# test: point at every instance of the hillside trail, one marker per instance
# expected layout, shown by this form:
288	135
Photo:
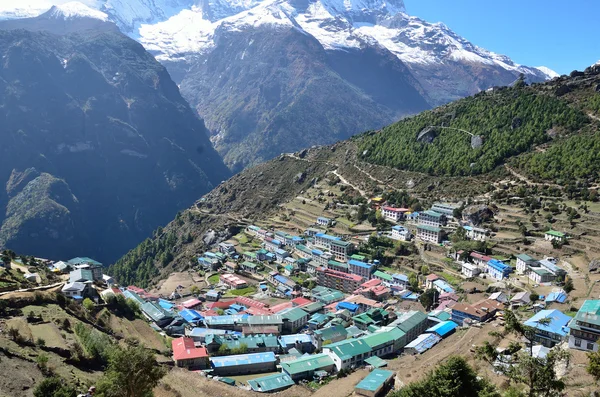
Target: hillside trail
527	180
336	172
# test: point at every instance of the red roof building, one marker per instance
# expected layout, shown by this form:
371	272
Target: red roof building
281	306
186	354
301	301
245	301
191	303
257	311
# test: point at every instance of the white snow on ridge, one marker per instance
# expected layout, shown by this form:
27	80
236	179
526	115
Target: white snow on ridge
75	9
16	9
174	29
183	33
548	72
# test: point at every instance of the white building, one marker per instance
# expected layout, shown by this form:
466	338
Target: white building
552	235
432	218
469	270
430	233
524	262
401	233
393	214
476	233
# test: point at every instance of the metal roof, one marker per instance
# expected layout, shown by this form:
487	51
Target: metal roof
293	314
265	320
307	363
383	275
444	328
354	262
376	362
423	342
589	312
330	333
271	383
375	380
190	315
242	359
381	338
292	339
429	228
558	322
349	348
407	321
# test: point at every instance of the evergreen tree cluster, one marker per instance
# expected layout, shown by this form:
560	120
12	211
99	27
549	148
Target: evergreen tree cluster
139	265
510	122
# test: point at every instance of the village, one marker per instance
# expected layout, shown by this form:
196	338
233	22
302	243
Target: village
270	308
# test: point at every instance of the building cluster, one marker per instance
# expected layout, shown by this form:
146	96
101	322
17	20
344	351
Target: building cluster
431	225
539	271
86	277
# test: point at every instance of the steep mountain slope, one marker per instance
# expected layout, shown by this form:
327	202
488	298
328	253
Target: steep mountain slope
260	71
445	67
284	93
548	133
98	147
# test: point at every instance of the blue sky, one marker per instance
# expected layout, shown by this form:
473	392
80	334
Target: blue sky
562	35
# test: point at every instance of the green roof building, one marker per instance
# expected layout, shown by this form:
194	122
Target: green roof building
584	329
339	266
326	336
293	319
305	367
383	276
413	323
376	384
376	362
271	383
386	341
348	353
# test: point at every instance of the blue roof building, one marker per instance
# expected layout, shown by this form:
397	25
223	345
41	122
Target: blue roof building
243	363
191	316
351	307
442	287
552	333
443	329
165	304
498	270
360	268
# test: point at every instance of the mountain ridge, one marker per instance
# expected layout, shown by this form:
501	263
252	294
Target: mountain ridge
97	135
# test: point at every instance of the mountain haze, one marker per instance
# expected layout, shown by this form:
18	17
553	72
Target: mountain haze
98	147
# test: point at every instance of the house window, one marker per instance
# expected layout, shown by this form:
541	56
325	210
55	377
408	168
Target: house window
590	346
578	342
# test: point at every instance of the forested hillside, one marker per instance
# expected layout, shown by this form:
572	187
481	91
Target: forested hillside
443	141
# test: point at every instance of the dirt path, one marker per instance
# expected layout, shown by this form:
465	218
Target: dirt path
342	387
345	182
40	288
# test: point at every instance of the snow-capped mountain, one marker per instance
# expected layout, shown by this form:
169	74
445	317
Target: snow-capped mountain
285	71
127	14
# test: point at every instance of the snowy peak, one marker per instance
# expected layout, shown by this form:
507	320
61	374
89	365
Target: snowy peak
73	10
549	72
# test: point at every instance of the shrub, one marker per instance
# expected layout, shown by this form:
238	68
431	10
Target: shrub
53	387
42	362
40	342
88	304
